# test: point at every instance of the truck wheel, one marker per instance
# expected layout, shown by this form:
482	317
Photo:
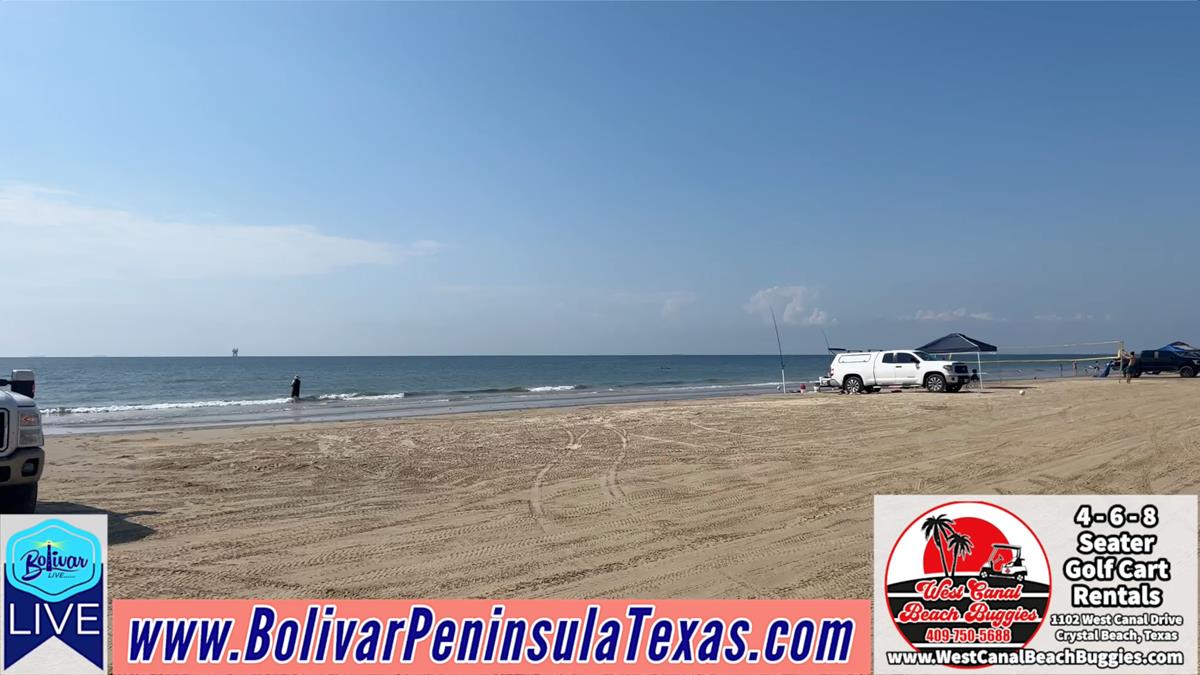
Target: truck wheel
19	498
853	384
953	388
1187	371
935	382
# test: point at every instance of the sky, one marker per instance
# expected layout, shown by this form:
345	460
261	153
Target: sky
325	179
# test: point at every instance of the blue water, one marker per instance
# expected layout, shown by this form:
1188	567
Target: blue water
131	392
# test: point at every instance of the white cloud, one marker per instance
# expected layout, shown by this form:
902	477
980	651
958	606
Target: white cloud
55	236
950	315
669	303
797	304
482	289
1077	316
422	247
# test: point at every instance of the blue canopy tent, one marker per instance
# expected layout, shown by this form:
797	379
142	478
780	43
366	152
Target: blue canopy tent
957	343
1177	346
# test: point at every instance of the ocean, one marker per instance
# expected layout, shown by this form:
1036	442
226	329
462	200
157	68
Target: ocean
103	393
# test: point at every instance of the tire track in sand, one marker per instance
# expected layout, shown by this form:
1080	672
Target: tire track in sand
536	507
612	484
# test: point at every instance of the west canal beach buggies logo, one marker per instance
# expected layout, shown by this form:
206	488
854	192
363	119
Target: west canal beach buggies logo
967	576
54	593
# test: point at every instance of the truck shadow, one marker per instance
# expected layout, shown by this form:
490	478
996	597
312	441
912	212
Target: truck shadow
121	530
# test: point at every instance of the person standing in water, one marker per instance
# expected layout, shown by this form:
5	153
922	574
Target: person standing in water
296	387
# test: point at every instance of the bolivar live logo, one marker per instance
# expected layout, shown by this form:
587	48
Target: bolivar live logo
967	575
54	587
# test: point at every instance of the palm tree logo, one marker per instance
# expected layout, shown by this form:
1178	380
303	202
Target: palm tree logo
961	546
939	528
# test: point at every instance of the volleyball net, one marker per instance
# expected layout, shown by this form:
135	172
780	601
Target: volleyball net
1068	359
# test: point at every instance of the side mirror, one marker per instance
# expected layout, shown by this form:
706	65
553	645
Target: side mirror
22	382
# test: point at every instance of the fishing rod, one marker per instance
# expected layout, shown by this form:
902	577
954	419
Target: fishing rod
779	344
832	350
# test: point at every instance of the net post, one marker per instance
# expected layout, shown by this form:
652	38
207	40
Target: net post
979	369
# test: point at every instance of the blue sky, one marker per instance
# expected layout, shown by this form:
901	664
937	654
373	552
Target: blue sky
583	178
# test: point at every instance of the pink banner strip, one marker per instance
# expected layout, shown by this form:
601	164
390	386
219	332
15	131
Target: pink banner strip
505	637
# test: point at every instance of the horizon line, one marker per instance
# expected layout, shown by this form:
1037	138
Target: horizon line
390	356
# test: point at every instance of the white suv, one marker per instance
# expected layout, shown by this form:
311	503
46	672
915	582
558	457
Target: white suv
857	372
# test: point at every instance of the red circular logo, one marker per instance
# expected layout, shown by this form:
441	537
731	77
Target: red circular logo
967	575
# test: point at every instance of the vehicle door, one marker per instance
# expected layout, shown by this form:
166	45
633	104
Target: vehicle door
908	369
885	369
1150	361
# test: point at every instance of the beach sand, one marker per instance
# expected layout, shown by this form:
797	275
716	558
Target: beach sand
752	497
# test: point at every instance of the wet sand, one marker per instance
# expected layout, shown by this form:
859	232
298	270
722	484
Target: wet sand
756	497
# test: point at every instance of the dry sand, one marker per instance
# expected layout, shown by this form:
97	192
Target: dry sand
750	497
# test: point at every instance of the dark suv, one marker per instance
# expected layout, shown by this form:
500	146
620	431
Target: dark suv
1187	364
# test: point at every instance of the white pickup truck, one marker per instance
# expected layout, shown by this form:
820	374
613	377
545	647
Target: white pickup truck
862	372
21	453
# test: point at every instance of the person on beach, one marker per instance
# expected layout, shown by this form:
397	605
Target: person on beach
1124	363
1130	367
296	387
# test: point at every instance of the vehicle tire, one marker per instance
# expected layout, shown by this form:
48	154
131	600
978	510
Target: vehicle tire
953	388
1187	371
983	572
853	384
19	498
1136	373
1019	578
935	382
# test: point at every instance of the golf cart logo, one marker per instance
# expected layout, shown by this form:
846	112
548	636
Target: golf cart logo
53	560
967	576
1006	561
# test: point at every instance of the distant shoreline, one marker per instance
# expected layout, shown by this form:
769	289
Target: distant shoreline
83	395
358	413
767	496
383	412
489	356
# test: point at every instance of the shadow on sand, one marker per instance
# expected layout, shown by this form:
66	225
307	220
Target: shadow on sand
121	530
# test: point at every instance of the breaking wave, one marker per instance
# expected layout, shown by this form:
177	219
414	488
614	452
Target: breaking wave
720	386
65	410
184	405
419	396
359	397
511	390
